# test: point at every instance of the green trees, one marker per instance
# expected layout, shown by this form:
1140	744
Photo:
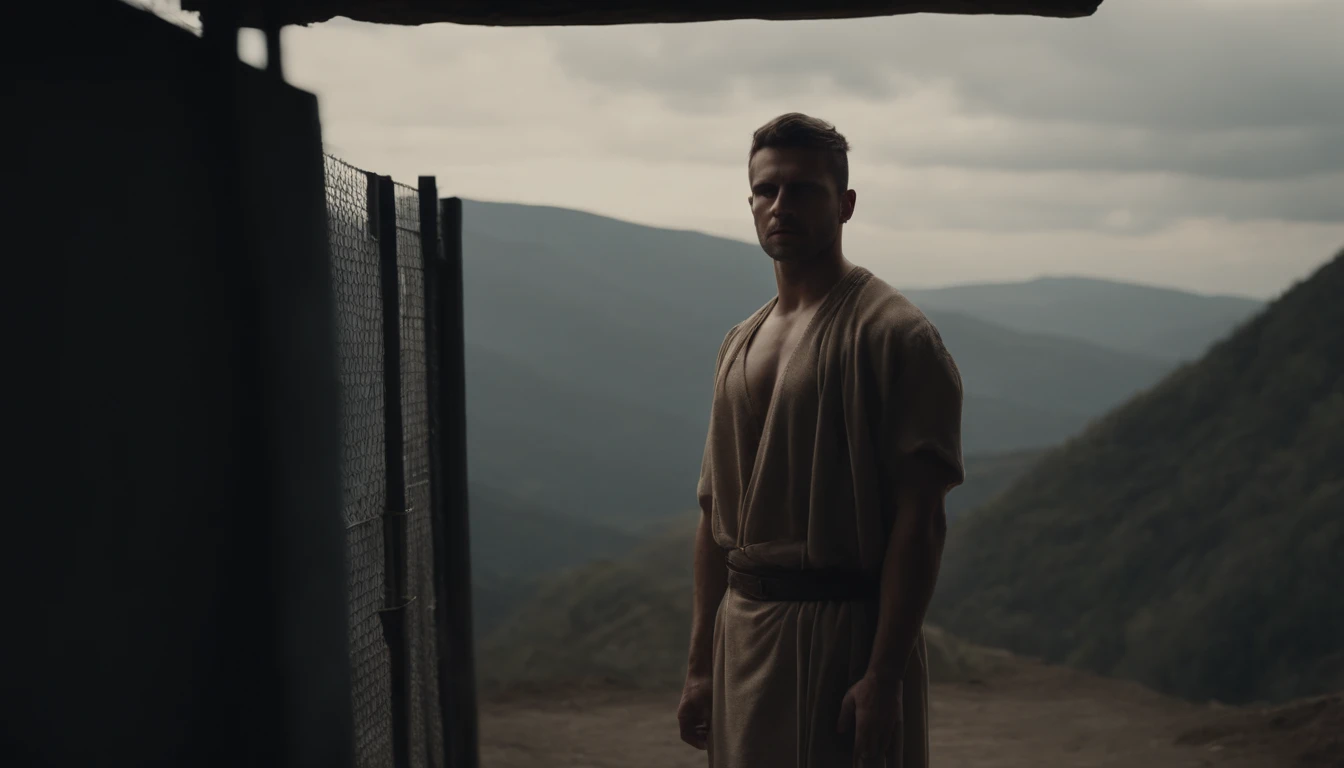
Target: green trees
1193	538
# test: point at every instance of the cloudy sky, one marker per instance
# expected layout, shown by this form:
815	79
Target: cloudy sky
1191	143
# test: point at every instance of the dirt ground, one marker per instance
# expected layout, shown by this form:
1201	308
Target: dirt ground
1034	716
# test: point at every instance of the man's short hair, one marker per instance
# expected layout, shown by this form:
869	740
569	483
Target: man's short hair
796	130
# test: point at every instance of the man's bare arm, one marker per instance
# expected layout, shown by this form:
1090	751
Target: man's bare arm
710	578
909	568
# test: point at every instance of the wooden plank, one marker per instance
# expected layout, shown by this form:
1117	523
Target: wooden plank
571	13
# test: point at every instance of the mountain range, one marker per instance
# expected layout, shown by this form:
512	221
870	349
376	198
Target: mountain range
1191	539
1125	510
1155	322
1188	540
591	343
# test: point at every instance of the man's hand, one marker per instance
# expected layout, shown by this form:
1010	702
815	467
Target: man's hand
873	709
697	699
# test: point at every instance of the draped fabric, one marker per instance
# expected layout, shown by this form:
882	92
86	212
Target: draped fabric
812	485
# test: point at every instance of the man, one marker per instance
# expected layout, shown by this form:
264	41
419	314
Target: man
834	437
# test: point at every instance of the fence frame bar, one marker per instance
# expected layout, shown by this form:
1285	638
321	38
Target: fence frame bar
448	479
394	614
427	196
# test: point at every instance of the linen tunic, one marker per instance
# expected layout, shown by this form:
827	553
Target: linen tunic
868	386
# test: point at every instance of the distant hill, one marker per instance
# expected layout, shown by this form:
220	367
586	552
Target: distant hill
628	621
514	543
517	545
986	477
582	452
591	345
1157	322
526	541
1027	390
1192	538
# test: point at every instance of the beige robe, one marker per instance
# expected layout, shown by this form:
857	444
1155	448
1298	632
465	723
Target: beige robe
868	386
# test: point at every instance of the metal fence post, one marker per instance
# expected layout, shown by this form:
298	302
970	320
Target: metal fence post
394	514
431	253
448	478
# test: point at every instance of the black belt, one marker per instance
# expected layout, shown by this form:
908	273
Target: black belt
802	586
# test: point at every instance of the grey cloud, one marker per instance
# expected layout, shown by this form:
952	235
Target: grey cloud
1175	66
1237	91
1042	105
1118	204
1270	154
1138	62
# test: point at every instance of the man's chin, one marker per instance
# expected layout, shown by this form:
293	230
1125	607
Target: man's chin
786	254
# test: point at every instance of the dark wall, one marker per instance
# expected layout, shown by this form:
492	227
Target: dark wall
173	559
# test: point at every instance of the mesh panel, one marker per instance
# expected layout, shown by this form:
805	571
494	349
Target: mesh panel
370	666
424	655
425	722
354	269
359	318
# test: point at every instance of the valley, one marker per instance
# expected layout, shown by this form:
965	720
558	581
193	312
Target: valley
1149	522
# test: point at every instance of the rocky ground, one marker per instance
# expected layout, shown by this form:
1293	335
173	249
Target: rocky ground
1028	715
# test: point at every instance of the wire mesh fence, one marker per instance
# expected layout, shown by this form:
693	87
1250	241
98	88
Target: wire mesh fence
359	317
426	727
353	228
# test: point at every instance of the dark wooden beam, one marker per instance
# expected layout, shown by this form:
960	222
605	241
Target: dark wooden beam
577	13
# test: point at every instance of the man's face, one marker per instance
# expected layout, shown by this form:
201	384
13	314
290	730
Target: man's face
795	202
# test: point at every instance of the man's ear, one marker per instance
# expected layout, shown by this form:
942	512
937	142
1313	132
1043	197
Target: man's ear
847	202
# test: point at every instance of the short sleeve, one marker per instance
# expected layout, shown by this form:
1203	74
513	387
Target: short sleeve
921	408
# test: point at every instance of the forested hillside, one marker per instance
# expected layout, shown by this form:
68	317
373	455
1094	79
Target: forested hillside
1193	539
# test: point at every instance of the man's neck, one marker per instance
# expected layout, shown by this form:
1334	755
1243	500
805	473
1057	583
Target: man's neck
801	285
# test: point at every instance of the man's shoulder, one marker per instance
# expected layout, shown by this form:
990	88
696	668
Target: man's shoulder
882	312
892	328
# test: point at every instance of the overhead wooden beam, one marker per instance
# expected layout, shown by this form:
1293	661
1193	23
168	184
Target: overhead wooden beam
257	13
